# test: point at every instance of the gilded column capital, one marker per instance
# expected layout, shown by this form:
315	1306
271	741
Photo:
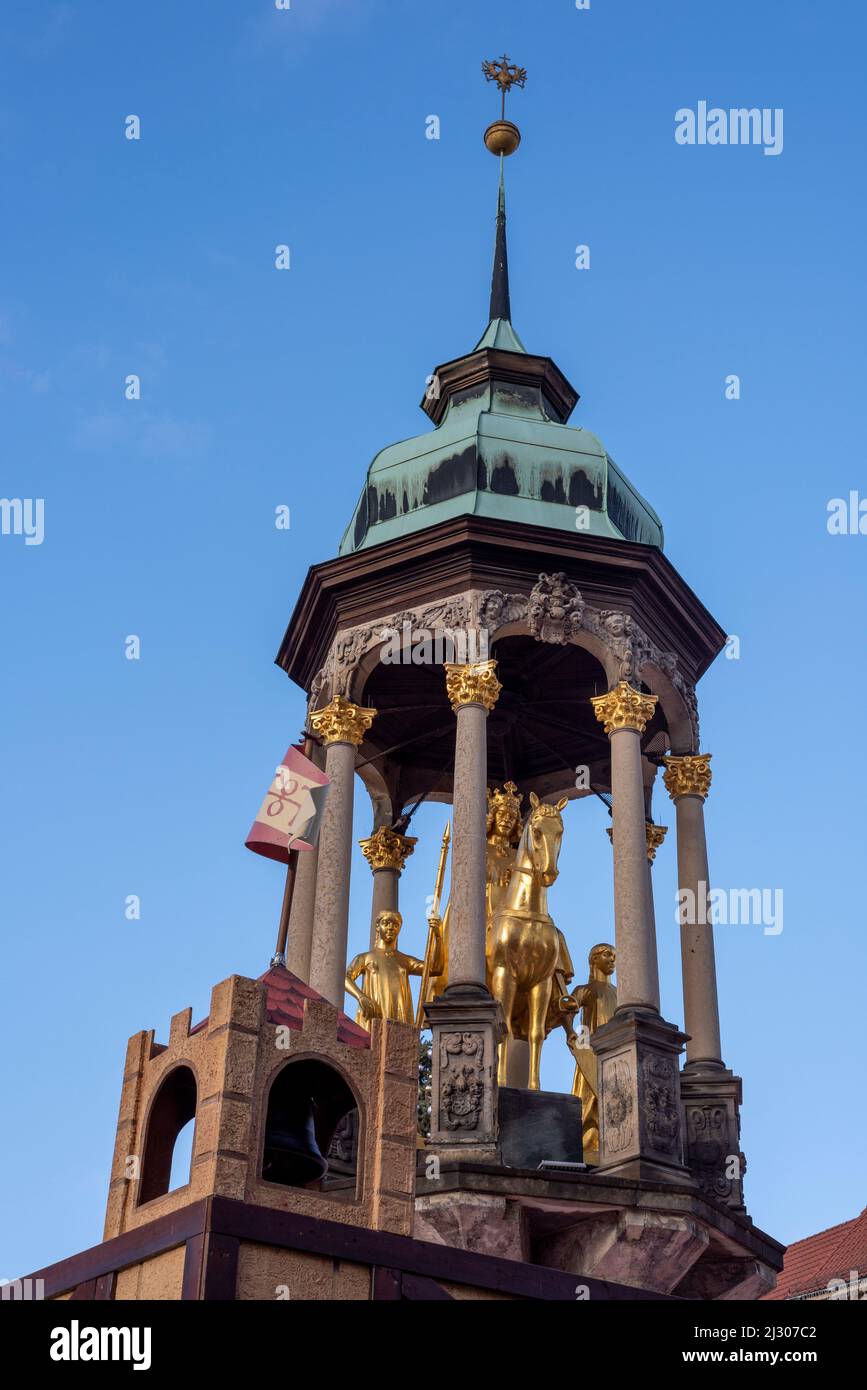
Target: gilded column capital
342	722
473	683
623	708
689	775
654	834
386	849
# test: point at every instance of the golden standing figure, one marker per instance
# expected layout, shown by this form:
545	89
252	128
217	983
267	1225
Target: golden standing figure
597	1000
385	990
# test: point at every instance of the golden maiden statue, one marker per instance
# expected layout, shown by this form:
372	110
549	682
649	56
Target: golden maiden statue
385	971
527	961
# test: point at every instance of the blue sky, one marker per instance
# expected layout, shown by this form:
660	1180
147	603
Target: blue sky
262	388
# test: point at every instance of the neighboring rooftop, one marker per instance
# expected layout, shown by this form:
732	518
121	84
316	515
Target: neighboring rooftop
836	1253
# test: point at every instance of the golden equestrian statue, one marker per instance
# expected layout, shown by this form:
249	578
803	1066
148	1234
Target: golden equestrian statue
526	956
528	968
503	829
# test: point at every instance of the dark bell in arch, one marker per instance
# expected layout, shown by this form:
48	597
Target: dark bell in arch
292	1155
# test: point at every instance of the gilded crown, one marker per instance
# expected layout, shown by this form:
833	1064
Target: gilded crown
508	797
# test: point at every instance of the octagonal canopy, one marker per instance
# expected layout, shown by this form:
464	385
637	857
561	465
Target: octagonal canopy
501	448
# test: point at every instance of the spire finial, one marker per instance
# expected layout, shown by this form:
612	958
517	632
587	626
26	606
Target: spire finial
503	137
501	307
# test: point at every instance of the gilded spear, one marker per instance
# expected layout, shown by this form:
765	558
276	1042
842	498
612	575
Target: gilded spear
434	912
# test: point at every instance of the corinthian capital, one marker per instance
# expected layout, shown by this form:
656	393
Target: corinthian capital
623	708
472	684
342	722
687	776
386	849
654	834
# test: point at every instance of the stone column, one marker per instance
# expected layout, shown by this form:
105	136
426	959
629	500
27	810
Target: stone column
386	852
342	726
711	1093
654	836
640	1122
465	1021
473	691
687	780
624	713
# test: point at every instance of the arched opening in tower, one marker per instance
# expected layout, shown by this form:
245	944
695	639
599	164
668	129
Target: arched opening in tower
307	1105
171	1111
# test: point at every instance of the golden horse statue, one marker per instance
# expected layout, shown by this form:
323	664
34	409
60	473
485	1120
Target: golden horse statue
525	951
503	830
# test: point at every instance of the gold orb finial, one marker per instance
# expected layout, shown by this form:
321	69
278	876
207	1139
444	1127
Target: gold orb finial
503	137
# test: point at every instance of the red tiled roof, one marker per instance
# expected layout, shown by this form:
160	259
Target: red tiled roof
284	1003
830	1254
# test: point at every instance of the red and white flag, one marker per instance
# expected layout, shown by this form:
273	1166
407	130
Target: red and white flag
289	816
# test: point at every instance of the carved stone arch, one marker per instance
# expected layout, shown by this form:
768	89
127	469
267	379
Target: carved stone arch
659	744
604	654
377	789
681	714
368	659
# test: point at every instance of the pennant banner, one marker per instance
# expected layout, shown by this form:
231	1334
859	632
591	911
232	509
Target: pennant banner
289	816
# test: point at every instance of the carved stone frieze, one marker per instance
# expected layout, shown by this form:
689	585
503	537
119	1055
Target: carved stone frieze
553	612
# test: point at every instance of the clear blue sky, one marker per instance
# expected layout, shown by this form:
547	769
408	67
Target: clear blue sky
262	387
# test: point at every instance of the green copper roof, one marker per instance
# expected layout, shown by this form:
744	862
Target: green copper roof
500	334
500	448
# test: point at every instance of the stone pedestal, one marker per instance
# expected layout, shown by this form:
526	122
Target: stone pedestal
538	1126
467	1028
640	1121
711	1100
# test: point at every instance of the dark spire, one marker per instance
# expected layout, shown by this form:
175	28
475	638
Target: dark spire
500	306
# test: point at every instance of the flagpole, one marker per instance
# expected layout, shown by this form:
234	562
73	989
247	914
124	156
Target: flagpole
279	956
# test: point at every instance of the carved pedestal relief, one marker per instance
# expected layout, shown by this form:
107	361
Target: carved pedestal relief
712	1123
639	1101
466	1027
462	1080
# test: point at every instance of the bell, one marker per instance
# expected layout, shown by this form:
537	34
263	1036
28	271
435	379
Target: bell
292	1155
